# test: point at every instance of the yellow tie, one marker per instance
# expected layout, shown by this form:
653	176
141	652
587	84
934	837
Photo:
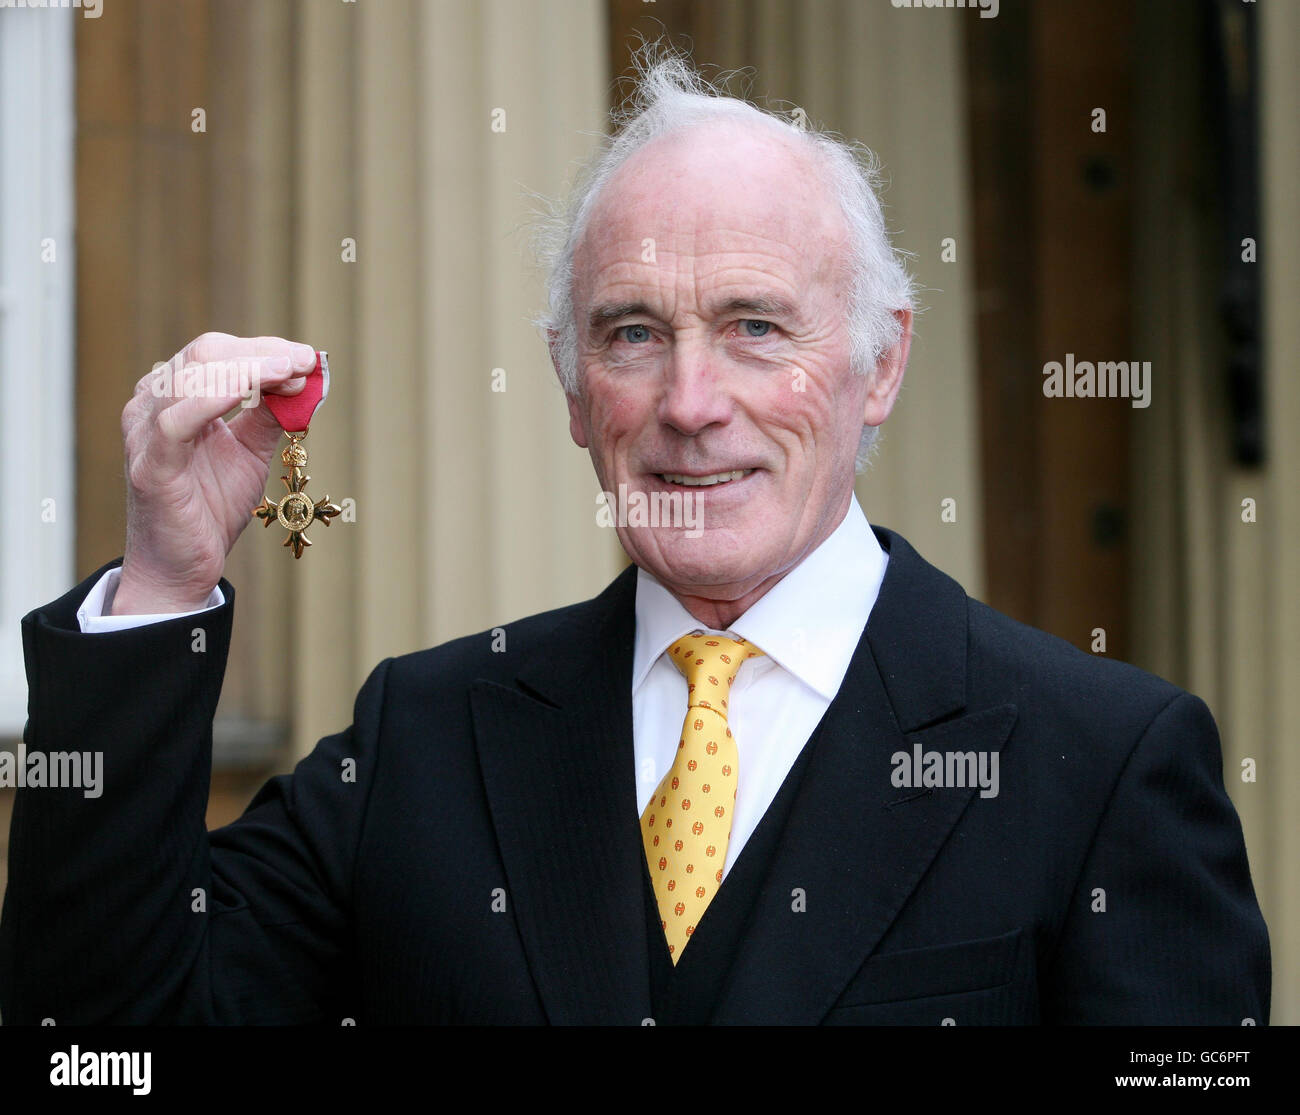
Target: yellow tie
687	824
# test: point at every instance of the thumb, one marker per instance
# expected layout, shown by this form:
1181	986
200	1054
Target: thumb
257	430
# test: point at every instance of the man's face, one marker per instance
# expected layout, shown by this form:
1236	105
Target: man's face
711	299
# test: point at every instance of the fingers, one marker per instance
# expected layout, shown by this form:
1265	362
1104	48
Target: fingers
215	372
221	386
211	347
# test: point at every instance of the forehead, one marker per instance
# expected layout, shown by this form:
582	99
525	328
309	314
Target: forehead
721	198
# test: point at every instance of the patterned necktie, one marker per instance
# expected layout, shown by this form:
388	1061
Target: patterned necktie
686	826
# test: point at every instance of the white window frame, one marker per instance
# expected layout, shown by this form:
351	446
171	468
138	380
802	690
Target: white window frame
37	415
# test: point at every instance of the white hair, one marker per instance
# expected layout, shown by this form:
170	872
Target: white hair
670	95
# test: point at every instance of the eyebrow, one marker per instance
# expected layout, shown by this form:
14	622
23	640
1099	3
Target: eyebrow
607	312
762	305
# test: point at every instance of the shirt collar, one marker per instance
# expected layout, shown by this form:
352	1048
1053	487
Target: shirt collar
809	622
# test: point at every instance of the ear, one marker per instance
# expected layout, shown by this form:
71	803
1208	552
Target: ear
553	346
888	375
577	428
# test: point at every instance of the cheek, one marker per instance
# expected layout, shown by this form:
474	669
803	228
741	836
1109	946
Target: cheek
617	415
797	404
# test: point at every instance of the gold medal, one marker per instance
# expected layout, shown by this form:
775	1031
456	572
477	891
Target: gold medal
296	512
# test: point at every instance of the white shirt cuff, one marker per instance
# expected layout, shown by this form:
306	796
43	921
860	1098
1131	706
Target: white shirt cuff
91	613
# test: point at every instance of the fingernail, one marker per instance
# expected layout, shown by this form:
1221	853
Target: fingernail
293	386
304	356
277	365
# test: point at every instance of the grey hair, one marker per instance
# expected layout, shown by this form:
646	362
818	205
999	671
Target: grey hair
670	95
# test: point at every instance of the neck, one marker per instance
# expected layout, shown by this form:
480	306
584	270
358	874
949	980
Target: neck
721	614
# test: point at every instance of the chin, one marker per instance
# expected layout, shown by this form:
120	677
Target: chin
714	558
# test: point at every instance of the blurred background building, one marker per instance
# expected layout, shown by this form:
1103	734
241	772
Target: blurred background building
1099	178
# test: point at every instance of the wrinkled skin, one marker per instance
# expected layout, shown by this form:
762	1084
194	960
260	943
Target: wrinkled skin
730	351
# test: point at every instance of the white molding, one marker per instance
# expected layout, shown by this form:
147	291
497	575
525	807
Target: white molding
36	329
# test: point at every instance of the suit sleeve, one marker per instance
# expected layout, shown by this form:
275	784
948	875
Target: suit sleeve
122	908
1181	940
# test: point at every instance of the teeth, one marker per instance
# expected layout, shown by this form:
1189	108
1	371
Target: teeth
705	481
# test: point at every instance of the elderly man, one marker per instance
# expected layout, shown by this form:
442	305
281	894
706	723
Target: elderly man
782	771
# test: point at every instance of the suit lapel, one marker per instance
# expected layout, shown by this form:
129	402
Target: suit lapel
855	845
558	768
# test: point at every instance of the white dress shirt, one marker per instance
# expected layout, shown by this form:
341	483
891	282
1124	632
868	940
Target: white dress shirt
91	615
808	625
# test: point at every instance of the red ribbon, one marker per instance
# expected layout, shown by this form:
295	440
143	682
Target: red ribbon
294	412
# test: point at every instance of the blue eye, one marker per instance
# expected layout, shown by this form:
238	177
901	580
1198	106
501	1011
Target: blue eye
634	334
753	328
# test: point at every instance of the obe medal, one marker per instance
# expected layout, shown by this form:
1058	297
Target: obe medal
296	511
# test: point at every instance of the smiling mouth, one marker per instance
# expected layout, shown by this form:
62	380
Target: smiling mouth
710	481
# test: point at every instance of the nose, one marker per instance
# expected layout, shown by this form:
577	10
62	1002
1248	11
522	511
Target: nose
694	394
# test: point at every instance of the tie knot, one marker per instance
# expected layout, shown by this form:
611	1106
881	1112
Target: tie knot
710	664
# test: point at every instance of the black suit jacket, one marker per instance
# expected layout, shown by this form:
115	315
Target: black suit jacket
411	868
